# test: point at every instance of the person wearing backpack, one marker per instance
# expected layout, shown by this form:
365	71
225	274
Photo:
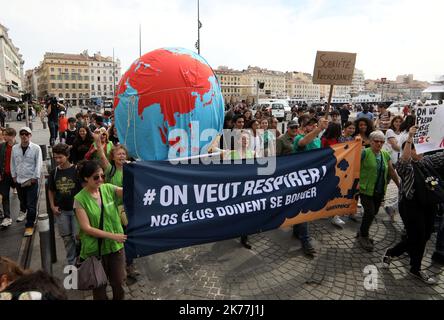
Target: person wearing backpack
421	191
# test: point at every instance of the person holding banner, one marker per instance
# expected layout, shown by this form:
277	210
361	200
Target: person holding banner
308	140
241	151
98	199
284	144
376	167
421	191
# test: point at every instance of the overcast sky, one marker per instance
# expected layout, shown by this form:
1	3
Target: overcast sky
391	37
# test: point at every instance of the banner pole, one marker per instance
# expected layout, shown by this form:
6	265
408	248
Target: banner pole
327	112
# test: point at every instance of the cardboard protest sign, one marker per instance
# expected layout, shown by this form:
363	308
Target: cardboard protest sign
430	135
334	68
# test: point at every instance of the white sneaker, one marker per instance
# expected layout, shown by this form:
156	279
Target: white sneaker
337	222
21	217
6	222
424	277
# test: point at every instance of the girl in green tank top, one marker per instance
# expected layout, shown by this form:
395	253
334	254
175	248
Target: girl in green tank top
95	200
88	203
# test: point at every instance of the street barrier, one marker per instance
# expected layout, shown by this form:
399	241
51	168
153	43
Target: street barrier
45	242
44	149
52	242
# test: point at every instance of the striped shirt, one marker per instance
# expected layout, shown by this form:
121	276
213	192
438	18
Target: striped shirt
407	175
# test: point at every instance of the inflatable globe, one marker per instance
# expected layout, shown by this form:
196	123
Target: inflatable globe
167	101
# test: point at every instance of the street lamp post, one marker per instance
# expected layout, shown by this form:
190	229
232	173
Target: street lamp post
383	81
114	76
199	26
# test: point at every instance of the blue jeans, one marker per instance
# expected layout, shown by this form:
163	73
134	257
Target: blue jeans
68	231
301	231
53	130
28	201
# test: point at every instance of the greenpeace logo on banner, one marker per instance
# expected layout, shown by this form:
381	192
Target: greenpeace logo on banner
218	193
430	134
172	206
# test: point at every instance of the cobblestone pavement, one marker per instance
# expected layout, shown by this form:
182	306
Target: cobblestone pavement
277	269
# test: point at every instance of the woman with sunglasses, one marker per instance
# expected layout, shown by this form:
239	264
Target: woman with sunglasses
89	203
106	145
376	167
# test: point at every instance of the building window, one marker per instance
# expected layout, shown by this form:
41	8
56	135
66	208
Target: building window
66	85
86	86
60	86
73	85
98	87
67	96
59	77
110	79
74	96
98	71
104	87
98	79
53	85
52	77
52	69
92	71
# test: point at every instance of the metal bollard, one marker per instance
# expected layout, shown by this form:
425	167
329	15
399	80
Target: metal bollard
44	149
51	224
45	243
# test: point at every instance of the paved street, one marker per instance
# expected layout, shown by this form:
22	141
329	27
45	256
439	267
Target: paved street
275	268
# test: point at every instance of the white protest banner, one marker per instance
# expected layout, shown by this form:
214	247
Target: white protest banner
430	135
334	68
